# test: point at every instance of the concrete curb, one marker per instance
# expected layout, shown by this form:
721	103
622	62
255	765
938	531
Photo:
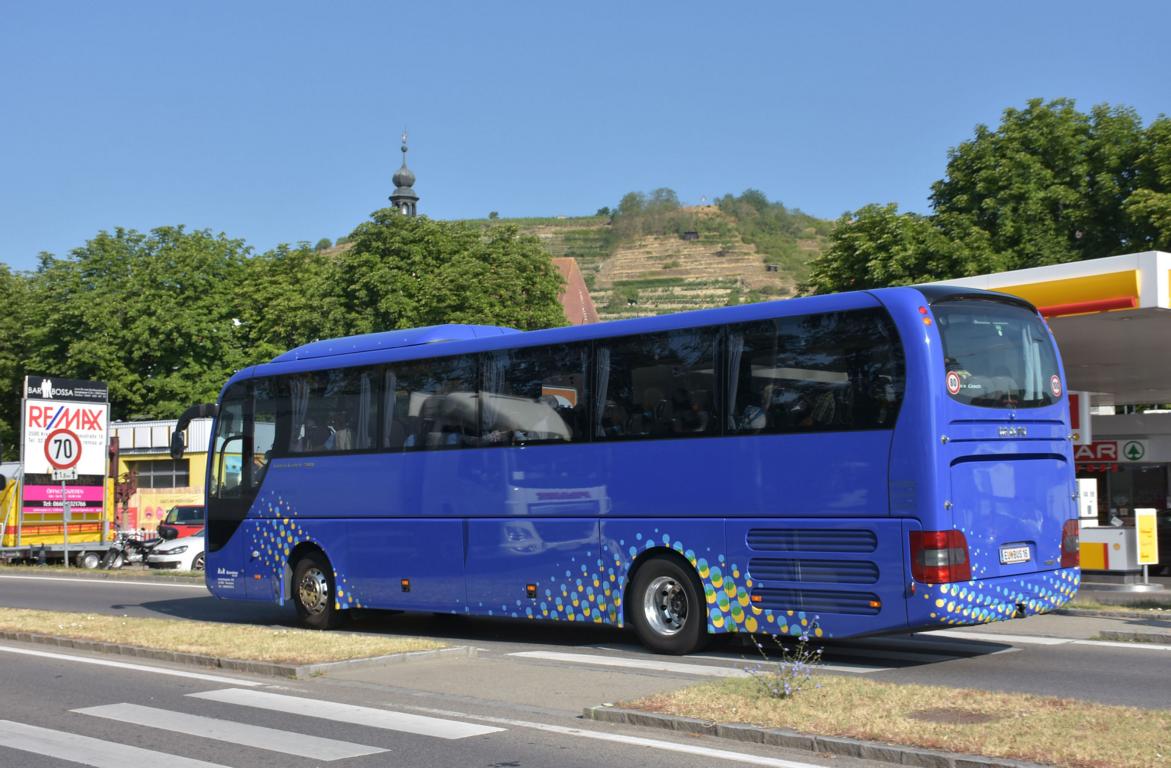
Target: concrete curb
1135	637
269	669
157	576
783	737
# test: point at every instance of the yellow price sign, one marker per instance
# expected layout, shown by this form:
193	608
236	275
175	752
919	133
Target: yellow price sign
1146	523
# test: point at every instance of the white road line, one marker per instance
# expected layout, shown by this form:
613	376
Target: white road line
125	665
87	751
1128	646
990	637
673	667
107	582
348	713
650	665
635	741
1037	640
271	739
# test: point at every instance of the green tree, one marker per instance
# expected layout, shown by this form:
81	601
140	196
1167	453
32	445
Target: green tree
877	246
288	297
405	271
13	294
1024	183
1148	209
323	244
1048	185
152	315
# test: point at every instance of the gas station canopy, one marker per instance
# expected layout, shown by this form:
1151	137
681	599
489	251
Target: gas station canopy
1111	318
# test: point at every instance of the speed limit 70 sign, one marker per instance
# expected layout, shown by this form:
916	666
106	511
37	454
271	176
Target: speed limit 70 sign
64	435
63	449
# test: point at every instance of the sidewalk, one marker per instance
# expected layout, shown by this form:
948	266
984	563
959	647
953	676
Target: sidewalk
1127	624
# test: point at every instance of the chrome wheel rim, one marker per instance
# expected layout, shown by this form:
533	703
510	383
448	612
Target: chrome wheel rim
198	564
313	591
665	605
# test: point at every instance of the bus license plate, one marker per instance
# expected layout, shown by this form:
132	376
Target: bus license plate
1014	554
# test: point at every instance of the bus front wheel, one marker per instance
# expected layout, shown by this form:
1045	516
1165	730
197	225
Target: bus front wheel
666	608
313	592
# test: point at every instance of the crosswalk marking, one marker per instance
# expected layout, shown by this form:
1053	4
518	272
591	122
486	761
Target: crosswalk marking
348	713
674	667
86	750
650	665
242	734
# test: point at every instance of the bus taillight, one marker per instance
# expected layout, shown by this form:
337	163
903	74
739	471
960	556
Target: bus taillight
939	557
1070	545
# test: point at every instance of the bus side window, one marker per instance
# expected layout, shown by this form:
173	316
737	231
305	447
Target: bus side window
535	395
431	405
228	466
657	385
832	371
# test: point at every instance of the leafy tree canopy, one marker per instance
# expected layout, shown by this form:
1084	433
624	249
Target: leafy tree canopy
12	319
153	315
166	317
405	272
1049	185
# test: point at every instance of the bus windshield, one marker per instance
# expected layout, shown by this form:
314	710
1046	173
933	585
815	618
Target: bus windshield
998	355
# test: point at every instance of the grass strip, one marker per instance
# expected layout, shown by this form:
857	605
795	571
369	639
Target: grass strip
1042	729
1153	606
277	645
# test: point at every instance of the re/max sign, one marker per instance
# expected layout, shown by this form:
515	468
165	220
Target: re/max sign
64	417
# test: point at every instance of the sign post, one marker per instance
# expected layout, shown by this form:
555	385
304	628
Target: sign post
65	521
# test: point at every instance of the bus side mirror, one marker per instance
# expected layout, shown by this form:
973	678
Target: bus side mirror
204	411
178	444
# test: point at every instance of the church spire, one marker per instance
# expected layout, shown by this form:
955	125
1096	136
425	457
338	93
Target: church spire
404	197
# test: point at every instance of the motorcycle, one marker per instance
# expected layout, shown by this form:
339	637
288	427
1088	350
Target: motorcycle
129	549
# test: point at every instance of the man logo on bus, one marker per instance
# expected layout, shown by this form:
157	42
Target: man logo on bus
953	382
1055	385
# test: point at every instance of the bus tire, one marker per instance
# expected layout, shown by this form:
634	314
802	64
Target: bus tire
89	560
314	593
667	608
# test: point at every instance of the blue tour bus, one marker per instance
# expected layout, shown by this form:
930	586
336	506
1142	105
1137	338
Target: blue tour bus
882	461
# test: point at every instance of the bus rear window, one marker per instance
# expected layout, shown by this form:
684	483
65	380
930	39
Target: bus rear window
997	355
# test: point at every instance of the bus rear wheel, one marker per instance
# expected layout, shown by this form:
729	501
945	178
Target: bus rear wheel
666	608
314	594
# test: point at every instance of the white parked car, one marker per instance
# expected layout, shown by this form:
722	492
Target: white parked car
184	554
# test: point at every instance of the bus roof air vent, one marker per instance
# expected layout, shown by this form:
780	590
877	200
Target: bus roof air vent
410	337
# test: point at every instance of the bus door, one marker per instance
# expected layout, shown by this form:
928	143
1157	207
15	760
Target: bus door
244	434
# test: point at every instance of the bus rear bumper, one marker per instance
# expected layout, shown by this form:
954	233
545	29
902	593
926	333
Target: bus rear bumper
982	601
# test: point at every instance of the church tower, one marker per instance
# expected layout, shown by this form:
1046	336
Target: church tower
404	197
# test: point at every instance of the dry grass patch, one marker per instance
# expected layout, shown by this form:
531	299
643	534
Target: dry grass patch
1155	607
1041	729
230	641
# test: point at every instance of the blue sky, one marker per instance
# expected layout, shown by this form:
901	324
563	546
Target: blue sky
279	121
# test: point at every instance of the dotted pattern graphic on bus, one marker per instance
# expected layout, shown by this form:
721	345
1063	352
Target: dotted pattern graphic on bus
591	591
975	602
275	538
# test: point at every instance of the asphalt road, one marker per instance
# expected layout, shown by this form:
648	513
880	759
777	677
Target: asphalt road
1027	655
56	709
